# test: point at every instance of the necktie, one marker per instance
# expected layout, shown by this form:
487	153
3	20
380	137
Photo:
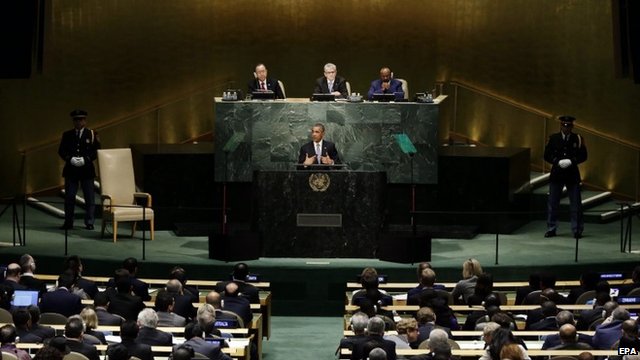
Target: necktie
330	86
262	85
78	134
318	153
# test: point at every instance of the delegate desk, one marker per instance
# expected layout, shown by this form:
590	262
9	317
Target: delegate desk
323	213
267	135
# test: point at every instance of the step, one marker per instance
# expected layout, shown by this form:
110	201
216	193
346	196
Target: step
46	206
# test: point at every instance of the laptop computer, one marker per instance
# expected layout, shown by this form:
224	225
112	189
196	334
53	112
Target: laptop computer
23	298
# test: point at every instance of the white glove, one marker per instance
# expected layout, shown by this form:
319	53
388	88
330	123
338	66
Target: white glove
77	161
564	163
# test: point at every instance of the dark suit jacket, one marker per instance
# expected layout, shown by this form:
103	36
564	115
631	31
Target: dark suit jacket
14	285
606	335
272	84
548	323
140	288
86	147
387	345
107	318
240	306
61	301
34	284
339	84
141	351
425	330
558	149
553	340
89	351
350	342
328	148
183	306
211	351
589	316
126	305
44	332
154	337
245	289
395	87
90	288
26	336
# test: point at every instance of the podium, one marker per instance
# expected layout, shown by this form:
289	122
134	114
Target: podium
319	213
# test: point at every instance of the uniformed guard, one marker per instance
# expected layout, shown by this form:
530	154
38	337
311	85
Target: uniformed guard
79	148
564	151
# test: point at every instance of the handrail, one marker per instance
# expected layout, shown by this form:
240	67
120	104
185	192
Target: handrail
123	119
541	113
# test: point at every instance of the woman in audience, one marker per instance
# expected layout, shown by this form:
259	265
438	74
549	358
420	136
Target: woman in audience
499	339
511	352
90	319
471	269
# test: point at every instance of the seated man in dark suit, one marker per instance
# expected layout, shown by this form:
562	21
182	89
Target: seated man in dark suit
193	337
358	324
148	321
600	310
261	82
128	334
549	311
318	151
386	85
61	300
28	267
180	274
74	264
635	276
375	331
569	339
563	317
231	301
42	331
239	276
427	281
214	299
369	281
22	322
426	318
73	331
12	277
101	304
182	301
140	288
164	308
331	83
121	301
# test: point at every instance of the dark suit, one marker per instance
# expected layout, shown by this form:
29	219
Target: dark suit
170	319
140	288
107	318
154	337
14	285
548	323
126	305
607	334
244	289
395	87
575	150
141	351
90	288
200	346
85	146
339	84
33	284
240	306
589	316
328	149
425	330
183	306
61	301
352	341
272	84
27	336
89	351
387	345
553	340
44	332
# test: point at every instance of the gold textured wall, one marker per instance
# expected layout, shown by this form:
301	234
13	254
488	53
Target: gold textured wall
146	69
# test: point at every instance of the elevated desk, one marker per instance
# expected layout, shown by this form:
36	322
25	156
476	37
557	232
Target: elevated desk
268	136
339	216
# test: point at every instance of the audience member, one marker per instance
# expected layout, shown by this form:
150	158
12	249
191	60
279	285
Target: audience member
588	317
206	318
426	319
588	282
535	315
48	352
427	282
73	331
140	288
117	352
148	334
635	277
232	301
377	354
511	352
180	274
193	336
607	334
499	338
8	342
505	320
74	264
534	285
564	317
569	339
22	323
331	83
6	295
121	301
548	282
444	315
487	332
438	337
491	305
471	269
407	333
128	333
42	331
183	353
214	299
375	331
483	288
90	319
370	282
61	300
629	337
101	304
548	322
28	267
239	276
164	309
357	323
12	277
182	303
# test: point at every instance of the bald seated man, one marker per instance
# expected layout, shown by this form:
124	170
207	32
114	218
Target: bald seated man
569	339
12	277
231	301
386	85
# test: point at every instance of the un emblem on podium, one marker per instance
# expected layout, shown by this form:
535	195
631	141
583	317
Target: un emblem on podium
319	181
